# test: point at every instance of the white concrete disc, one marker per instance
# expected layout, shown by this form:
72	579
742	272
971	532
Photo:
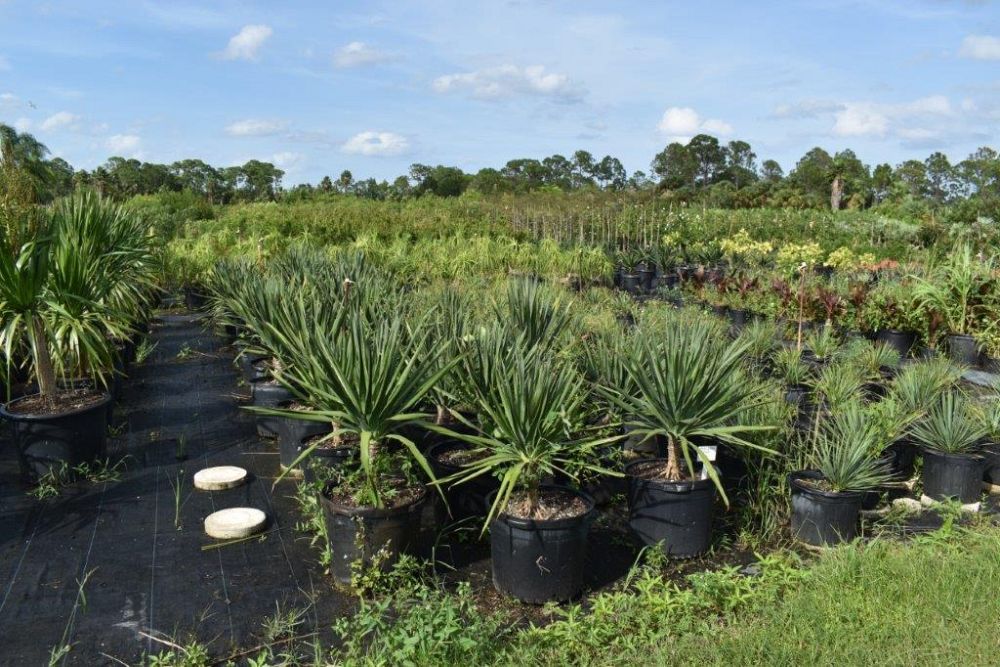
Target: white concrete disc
219	478
235	522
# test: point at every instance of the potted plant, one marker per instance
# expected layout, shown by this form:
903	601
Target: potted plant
826	501
951	440
532	406
821	345
958	289
893	315
795	374
689	387
367	378
987	413
58	303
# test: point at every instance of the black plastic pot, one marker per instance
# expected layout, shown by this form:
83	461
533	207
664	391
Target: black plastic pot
822	518
326	457
469	499
631	283
541	561
963	349
901	341
268	394
45	442
253	366
291	433
991	463
739	318
195	298
616	276
900	457
797	394
646	277
361	534
952	476
676	515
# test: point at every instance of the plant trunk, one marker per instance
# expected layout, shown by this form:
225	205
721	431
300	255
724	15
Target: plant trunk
43	362
673	459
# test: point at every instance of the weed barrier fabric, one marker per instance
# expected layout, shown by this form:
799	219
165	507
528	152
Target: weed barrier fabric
144	575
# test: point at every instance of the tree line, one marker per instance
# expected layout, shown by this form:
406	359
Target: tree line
702	171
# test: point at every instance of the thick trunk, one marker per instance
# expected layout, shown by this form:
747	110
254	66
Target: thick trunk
836	193
674	454
43	362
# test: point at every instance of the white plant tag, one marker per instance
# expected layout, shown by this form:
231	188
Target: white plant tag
709	452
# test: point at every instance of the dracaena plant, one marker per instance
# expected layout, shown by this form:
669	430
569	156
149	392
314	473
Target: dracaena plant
689	386
369	379
533	407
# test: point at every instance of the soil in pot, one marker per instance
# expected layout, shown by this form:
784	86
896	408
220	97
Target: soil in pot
540	556
269	393
952	476
675	514
963	350
369	536
820	515
67	429
468	499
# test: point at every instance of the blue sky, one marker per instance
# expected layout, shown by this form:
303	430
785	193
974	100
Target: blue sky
318	87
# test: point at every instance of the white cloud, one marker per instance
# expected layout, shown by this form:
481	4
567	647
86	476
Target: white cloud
682	123
376	143
256	127
980	47
509	80
9	101
806	109
358	54
287	160
245	44
859	119
123	144
4	64
58	121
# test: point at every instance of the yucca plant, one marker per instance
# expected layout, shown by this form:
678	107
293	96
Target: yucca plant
949	427
690	386
368	379
845	451
535	311
533	408
790	368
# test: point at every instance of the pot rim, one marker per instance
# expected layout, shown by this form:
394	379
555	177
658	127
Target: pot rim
369	512
960	456
548	524
679	486
35	417
795	482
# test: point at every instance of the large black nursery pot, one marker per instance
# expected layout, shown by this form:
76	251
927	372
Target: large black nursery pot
901	341
739	318
822	518
195	298
676	515
541	561
269	393
631	282
329	458
647	274
952	476
370	535
900	457
991	463
963	349
49	441
468	499
292	432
